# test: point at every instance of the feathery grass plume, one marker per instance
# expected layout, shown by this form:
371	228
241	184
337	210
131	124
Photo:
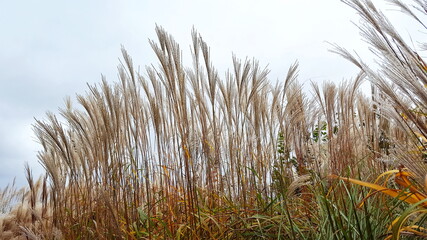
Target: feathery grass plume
181	152
400	78
9	197
148	148
31	217
143	157
401	102
345	125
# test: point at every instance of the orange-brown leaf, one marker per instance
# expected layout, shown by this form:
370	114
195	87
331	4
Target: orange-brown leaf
396	193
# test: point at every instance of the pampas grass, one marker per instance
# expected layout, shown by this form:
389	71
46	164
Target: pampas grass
178	152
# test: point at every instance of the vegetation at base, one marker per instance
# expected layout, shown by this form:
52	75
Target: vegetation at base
179	152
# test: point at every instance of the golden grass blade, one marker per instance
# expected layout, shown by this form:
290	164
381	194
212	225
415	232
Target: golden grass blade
408	197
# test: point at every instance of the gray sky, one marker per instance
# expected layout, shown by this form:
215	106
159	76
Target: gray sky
51	49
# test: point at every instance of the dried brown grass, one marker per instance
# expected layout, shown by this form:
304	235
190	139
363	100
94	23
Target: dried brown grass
178	152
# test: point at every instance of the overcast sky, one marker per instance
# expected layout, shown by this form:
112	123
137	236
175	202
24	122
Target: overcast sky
51	49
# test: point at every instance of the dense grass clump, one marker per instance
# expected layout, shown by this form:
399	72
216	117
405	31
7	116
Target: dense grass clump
179	152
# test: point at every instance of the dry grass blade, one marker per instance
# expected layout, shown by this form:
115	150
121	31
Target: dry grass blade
182	152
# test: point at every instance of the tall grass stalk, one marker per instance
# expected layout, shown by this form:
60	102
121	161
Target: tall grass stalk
178	152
